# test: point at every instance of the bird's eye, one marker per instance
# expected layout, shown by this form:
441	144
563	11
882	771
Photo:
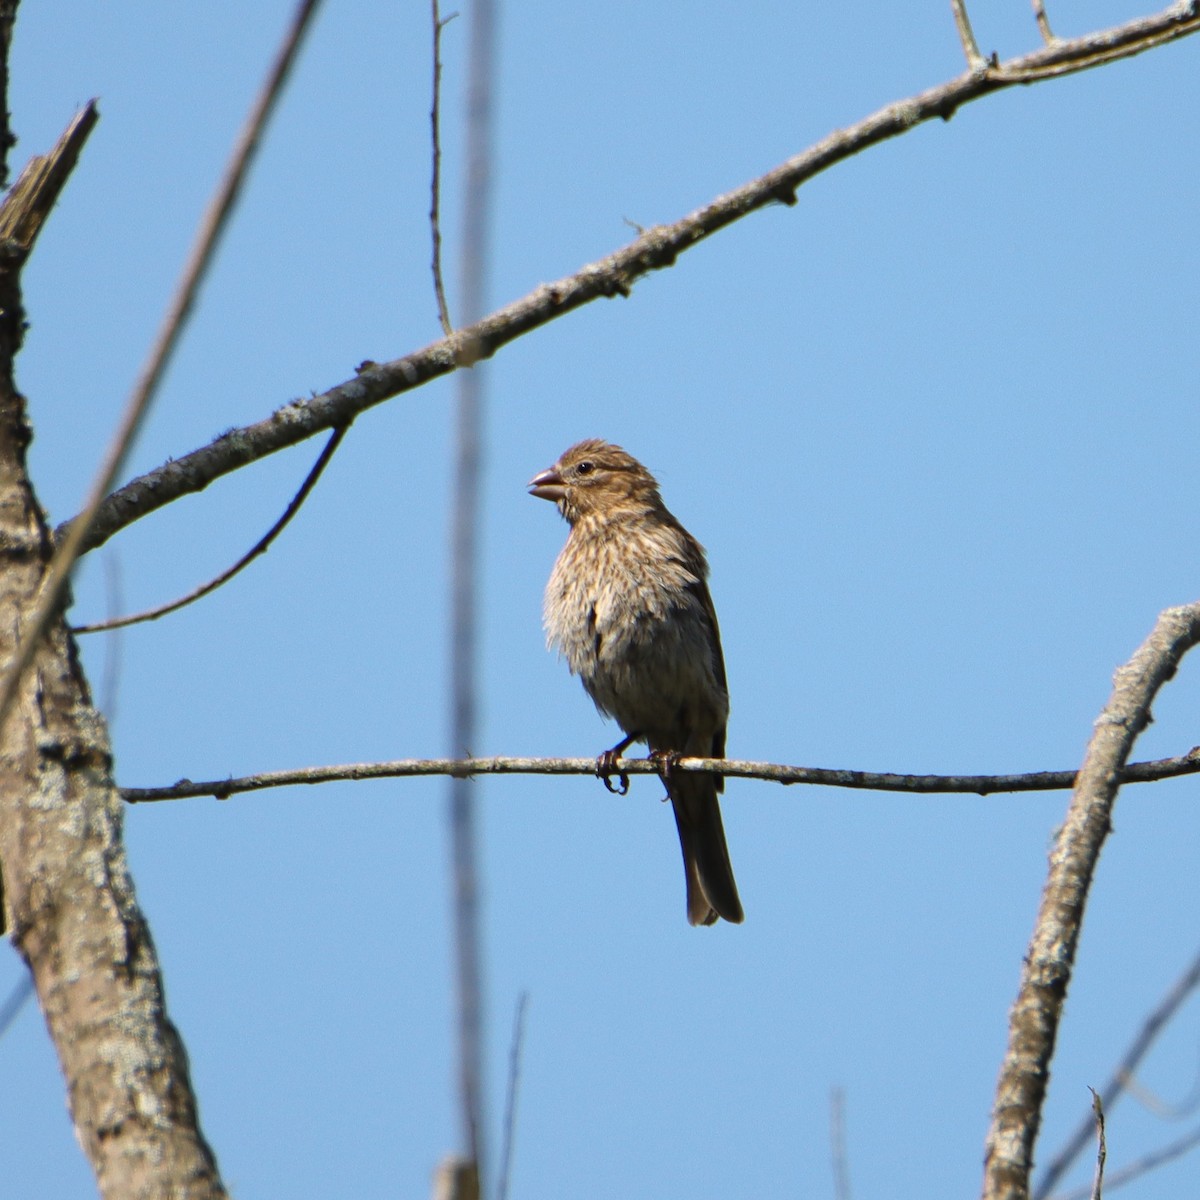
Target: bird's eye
585	468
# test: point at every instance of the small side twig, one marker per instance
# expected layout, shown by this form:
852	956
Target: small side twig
1139	1167
1118	1082
435	181
260	547
966	35
1039	15
980	785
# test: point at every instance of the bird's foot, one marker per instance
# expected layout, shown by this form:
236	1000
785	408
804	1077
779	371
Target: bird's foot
666	761
606	766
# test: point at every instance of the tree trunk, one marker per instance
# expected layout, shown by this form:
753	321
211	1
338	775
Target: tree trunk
68	899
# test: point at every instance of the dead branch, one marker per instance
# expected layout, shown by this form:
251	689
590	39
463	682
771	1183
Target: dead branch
1035	1017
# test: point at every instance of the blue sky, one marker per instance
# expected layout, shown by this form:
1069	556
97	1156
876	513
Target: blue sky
935	426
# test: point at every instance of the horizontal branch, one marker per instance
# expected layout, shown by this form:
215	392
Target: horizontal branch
981	785
615	275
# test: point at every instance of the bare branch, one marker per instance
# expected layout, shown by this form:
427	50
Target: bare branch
260	547
657	248
1118	1082
981	785
1033	1023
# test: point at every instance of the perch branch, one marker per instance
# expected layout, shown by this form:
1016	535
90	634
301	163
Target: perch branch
981	785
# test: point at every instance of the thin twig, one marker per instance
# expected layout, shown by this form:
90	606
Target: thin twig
1039	15
1139	1167
464	621
1156	1106
656	249
980	785
435	181
966	35
212	225
1037	1012
510	1102
260	547
1118	1082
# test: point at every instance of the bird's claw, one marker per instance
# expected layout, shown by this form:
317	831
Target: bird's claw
666	761
606	765
606	768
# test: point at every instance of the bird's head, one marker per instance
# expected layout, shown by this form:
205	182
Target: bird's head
595	477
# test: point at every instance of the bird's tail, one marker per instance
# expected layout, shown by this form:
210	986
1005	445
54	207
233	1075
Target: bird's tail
711	890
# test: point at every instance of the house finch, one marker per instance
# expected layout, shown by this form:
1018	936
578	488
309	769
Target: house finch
628	607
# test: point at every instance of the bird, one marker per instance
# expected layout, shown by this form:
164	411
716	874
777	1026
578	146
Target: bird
628	606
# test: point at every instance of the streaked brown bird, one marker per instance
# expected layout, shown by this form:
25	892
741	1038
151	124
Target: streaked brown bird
627	605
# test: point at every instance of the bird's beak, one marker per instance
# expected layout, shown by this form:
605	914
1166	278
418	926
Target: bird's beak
548	485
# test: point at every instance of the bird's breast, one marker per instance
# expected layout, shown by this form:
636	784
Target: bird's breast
623	611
